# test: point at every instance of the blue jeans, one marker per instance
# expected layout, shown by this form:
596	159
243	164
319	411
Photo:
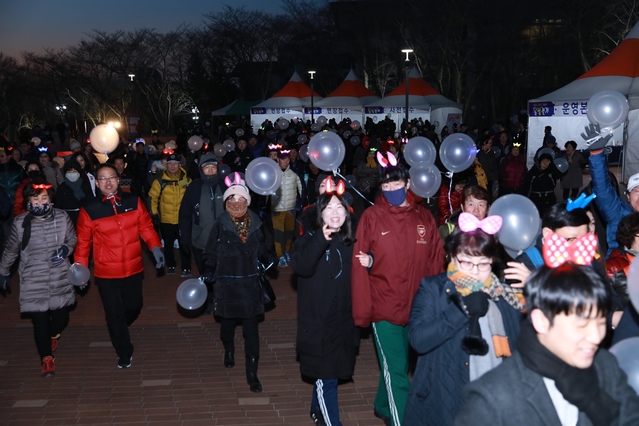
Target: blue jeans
325	399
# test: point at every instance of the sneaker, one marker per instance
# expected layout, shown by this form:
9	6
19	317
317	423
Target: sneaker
317	417
282	263
48	366
54	342
171	271
125	361
186	274
176	244
288	257
385	419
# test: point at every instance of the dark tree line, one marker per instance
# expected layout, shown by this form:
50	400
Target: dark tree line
490	55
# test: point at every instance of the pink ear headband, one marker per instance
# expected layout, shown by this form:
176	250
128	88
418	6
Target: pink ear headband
384	162
237	180
490	225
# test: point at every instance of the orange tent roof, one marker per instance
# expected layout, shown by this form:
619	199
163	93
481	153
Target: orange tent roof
622	61
351	87
295	88
417	86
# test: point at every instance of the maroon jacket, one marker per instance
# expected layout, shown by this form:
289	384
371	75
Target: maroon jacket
406	247
512	171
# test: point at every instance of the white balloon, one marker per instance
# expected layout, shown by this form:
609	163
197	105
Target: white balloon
326	150
104	138
609	108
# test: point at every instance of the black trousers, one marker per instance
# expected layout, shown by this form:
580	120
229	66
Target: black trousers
570	192
249	331
46	325
171	233
122	302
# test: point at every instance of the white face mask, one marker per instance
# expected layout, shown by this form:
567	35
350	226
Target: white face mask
73	176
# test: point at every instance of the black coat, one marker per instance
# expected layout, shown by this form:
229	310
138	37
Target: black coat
233	264
65	199
327	339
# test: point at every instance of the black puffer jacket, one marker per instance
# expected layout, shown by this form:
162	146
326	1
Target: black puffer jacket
234	265
327	338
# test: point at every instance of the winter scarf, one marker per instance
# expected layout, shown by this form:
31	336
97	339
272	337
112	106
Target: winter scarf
76	186
242	224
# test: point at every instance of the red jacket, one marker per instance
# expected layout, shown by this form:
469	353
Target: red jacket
444	205
617	262
18	202
115	237
512	171
406	247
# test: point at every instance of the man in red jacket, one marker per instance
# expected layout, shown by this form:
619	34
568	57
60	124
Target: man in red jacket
112	225
397	244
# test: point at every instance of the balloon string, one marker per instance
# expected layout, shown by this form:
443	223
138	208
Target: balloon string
450	191
353	188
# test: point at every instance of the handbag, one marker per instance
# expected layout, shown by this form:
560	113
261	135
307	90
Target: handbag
268	295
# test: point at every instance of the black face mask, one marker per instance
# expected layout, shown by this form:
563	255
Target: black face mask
209	180
33	174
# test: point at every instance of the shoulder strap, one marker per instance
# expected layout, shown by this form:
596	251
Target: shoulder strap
535	256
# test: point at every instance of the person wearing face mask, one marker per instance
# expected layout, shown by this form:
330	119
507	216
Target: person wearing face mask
397	244
327	338
235	245
43	238
34	171
74	192
201	206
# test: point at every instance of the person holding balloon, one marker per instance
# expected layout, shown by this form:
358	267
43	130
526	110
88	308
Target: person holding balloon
559	374
43	238
462	324
397	244
327	339
235	246
573	180
540	183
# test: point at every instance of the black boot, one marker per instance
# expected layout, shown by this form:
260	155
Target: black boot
229	359
251	374
229	354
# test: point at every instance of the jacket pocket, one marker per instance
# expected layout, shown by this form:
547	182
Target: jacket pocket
310	337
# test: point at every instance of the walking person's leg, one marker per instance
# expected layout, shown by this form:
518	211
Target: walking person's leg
116	318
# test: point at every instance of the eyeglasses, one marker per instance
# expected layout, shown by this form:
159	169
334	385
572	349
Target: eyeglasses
110	178
468	266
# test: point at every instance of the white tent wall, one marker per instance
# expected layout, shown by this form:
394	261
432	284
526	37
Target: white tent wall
631	147
257	119
441	115
398	115
354	113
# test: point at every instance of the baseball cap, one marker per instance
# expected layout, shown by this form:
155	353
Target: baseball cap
633	182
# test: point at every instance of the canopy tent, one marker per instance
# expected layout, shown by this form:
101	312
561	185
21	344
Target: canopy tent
288	103
423	101
347	101
565	108
237	107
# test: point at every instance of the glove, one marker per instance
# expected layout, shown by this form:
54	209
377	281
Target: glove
207	276
476	303
159	257
82	287
59	255
594	140
156	221
4	282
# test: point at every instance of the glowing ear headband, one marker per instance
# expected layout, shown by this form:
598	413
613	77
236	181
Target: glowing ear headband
331	188
168	152
237	180
384	162
41	186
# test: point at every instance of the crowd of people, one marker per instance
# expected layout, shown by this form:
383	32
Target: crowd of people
498	340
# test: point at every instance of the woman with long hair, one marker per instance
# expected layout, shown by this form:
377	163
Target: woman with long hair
327	339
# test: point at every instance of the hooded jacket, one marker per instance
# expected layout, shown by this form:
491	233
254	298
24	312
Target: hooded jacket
405	247
166	195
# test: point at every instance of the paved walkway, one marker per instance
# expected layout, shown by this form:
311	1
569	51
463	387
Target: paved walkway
177	376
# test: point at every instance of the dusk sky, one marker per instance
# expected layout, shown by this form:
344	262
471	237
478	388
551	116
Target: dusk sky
32	25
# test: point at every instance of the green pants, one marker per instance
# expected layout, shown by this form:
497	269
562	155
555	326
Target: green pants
391	342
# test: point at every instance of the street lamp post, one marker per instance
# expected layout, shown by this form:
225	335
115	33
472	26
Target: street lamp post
312	73
407	66
61	108
195	112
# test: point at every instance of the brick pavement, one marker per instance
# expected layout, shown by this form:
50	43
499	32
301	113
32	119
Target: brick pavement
177	376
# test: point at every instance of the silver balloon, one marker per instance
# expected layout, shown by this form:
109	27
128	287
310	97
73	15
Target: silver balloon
195	143
355	125
457	152
548	151
263	176
239	133
351	181
520	221
228	145
219	150
420	150
283	123
78	274
326	150
321	120
303	152
496	150
609	108
347	134
316	127
561	164
626	353
355	140
302	139
191	294
425	179
224	170
150	149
